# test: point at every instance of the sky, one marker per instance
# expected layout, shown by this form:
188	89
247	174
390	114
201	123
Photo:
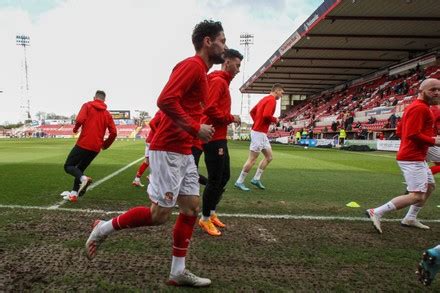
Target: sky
125	47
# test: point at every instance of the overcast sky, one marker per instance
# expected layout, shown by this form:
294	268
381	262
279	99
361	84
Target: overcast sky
124	47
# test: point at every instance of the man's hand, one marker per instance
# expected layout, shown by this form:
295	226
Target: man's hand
237	119
437	140
205	132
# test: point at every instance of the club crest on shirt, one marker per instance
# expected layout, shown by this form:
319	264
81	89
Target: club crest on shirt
221	151
168	197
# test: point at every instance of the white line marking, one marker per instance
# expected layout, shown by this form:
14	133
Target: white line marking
97	183
248	216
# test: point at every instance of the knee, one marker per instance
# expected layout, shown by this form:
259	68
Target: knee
160	216
269	158
66	168
418	197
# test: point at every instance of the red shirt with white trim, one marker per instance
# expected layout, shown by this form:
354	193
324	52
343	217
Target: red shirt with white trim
262	114
217	111
416	132
181	102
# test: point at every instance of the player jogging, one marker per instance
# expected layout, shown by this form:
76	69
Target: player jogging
94	120
262	115
416	133
174	176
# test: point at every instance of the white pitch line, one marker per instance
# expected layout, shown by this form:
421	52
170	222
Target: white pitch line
244	216
57	205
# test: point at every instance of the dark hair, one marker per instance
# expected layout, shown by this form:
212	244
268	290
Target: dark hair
277	86
231	53
100	93
206	28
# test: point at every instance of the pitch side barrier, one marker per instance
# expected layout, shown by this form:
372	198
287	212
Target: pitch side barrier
380	145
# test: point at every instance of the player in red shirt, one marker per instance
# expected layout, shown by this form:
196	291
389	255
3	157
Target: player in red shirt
218	113
416	133
154	123
94	120
262	114
174	176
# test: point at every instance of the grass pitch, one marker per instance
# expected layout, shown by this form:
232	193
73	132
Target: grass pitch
42	249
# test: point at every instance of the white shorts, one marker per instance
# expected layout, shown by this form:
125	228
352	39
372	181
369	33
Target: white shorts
259	141
433	154
147	148
171	175
417	175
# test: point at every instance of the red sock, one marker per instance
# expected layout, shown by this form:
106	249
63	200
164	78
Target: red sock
135	217
182	233
141	169
435	169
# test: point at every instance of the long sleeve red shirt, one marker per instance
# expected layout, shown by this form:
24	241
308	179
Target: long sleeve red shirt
181	103
154	123
94	120
262	114
416	132
218	105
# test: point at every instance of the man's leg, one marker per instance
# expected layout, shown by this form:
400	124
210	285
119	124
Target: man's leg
139	173
252	158
136	217
197	153
261	167
70	166
397	203
214	158
85	181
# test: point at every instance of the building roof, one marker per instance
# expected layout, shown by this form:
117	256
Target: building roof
344	40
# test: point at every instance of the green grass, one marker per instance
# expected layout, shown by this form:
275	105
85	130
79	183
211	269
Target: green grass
298	182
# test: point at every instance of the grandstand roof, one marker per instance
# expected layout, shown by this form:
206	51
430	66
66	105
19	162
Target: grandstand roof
344	40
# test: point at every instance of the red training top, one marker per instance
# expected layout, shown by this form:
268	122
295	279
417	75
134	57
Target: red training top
416	131
154	123
262	114
94	120
181	103
218	105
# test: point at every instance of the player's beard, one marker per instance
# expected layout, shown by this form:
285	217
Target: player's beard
430	99
217	58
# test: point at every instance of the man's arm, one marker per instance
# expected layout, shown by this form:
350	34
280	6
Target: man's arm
112	132
80	118
181	80
269	109
415	121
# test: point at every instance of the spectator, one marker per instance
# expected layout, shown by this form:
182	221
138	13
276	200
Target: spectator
392	120
372	120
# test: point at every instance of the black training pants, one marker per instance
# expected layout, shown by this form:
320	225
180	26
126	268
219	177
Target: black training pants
77	161
217	164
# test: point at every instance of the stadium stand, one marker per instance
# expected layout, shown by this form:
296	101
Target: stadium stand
352	61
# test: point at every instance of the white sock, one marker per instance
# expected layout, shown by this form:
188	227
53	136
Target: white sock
412	212
177	265
258	174
212	212
107	228
137	179
242	177
388	207
205	218
73	192
83	178
437	248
